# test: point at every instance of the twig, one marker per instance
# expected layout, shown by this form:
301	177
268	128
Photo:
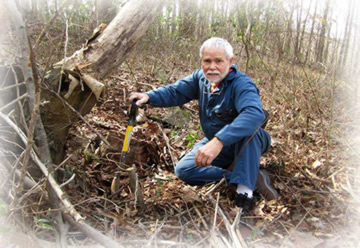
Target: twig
71	214
201	218
52	182
12	86
28	183
215	187
65	50
62	163
93	233
235	229
173	159
294	229
44	31
14	101
157	230
68	181
18	93
229	228
131	72
216	210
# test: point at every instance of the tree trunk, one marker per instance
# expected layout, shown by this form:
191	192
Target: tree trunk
309	46
297	34
347	34
287	41
303	33
324	25
102	54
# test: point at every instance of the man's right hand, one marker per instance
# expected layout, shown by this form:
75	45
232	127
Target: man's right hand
142	98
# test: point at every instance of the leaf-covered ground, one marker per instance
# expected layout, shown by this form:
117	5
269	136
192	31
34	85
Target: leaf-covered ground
305	165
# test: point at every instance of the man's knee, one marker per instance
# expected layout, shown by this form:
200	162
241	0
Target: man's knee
182	171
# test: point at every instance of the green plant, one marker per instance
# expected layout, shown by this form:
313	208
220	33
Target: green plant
192	136
43	223
89	155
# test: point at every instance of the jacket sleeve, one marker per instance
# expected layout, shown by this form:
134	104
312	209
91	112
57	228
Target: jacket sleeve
248	104
179	93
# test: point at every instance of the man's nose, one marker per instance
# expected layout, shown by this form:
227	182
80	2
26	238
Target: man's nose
212	66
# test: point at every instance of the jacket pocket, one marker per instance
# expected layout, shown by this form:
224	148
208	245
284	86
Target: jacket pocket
226	115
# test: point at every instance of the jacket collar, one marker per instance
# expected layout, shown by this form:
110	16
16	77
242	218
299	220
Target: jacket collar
232	73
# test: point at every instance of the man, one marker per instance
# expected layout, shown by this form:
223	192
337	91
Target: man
230	113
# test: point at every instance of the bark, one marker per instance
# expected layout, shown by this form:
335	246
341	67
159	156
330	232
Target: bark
324	26
109	50
101	55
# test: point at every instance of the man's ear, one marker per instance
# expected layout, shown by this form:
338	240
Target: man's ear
231	61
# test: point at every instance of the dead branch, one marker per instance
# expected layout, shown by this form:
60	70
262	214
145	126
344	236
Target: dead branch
93	233
60	194
229	227
69	211
201	218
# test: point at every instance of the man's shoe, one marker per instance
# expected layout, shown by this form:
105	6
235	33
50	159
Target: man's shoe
264	188
244	202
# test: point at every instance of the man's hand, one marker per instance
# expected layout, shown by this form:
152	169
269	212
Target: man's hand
206	154
142	98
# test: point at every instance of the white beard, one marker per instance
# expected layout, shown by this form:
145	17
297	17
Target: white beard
219	77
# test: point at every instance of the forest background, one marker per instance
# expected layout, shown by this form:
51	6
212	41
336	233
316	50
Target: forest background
304	57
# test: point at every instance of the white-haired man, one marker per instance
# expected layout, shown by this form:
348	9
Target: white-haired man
231	117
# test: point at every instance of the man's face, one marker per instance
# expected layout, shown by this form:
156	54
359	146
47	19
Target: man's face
215	64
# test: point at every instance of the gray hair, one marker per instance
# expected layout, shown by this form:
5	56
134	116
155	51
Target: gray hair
218	43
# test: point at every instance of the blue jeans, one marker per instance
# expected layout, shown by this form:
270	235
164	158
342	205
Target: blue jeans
244	172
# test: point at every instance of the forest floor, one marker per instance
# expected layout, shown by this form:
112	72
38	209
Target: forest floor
305	164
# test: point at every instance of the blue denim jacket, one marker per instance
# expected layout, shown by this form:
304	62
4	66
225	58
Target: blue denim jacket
233	111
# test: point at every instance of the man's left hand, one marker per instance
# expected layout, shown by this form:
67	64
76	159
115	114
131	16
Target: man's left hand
206	154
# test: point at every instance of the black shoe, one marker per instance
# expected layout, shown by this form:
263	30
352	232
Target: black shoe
244	202
264	188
